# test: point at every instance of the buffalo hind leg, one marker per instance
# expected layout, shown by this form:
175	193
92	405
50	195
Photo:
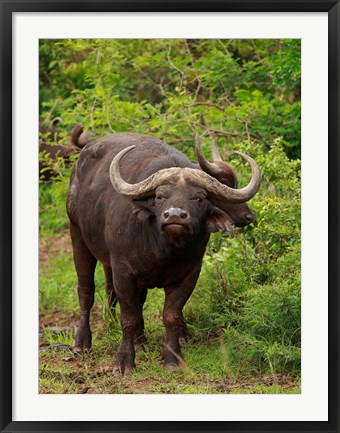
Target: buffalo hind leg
85	264
175	327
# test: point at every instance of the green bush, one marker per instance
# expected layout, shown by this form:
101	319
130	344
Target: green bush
249	286
52	207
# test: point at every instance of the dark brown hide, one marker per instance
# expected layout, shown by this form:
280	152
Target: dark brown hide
158	241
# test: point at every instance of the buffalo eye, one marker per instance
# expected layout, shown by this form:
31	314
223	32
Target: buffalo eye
198	199
160	198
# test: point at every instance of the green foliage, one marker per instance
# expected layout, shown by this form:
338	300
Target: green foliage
56	285
250	283
246	306
173	88
52	210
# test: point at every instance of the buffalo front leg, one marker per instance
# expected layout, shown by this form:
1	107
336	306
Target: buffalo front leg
85	264
175	327
130	319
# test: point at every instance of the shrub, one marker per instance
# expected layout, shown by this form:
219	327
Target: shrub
249	287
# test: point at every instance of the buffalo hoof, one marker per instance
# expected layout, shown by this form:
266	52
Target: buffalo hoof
78	350
171	366
83	341
124	364
172	360
121	370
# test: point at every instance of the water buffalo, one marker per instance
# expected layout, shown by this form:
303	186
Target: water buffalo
145	212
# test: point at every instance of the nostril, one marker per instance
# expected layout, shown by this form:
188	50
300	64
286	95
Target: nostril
176	212
249	217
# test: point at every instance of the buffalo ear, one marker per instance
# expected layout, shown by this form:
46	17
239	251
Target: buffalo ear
219	220
143	209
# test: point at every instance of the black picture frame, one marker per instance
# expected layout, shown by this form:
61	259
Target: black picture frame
7	9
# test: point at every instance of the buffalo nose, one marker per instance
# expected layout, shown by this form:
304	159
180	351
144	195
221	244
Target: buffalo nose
175	212
249	217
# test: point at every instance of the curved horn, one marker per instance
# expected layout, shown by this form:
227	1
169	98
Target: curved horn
220	191
53	123
209	167
214	170
146	187
253	186
215	152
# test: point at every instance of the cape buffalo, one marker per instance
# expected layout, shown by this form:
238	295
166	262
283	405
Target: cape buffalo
51	148
145	212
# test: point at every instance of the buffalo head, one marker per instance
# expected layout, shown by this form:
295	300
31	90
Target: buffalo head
184	199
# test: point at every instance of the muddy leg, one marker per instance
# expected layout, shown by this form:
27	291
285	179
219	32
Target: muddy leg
85	265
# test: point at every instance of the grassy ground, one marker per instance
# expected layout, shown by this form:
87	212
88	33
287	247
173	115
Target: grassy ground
207	367
245	312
